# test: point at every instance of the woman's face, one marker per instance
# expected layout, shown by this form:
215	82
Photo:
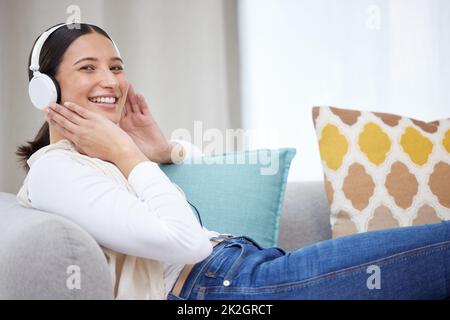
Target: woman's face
91	75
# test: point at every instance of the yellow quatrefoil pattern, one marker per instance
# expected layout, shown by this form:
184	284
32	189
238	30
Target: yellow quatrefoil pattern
383	170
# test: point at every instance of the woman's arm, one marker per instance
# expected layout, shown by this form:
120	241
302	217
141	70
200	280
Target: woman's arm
157	224
127	159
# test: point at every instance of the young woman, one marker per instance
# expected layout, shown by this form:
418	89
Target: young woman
95	162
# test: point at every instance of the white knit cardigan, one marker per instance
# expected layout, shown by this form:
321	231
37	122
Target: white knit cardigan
133	277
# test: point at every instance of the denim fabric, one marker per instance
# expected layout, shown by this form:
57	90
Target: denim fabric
400	263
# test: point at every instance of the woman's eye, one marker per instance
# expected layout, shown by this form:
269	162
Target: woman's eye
117	68
91	68
88	68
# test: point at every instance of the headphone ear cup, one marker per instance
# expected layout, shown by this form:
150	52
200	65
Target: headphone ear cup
43	90
58	89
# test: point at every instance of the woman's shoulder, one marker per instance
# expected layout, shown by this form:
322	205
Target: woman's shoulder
53	160
50	174
58	166
65	167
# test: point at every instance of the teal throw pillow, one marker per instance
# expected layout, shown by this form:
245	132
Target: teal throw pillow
240	193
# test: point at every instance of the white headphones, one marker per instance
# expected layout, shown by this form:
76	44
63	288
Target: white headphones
43	89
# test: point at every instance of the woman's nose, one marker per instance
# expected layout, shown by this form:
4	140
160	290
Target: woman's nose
108	79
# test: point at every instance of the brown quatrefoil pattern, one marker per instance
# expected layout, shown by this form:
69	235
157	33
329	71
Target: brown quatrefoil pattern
383	170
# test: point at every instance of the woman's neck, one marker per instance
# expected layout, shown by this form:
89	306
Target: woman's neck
55	136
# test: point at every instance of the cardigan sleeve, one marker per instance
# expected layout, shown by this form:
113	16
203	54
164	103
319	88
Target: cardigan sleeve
191	151
157	224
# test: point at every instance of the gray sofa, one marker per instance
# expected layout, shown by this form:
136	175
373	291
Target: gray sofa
38	251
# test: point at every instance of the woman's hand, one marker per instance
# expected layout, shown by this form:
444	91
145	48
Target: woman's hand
140	125
91	133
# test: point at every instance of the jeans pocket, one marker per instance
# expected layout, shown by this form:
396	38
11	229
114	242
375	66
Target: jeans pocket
224	260
238	252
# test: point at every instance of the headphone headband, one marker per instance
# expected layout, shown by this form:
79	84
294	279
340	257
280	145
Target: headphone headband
35	55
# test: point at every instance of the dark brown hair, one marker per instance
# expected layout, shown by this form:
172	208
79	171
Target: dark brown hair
50	58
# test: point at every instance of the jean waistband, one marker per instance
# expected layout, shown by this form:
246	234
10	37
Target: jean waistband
227	238
198	269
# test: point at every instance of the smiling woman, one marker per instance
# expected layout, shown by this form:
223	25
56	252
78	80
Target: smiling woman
75	79
87	69
97	166
95	163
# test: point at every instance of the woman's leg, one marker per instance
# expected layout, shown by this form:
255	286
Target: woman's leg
401	263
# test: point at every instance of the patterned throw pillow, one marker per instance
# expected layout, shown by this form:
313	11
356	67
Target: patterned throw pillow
383	170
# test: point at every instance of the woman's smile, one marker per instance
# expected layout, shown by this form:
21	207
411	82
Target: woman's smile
104	101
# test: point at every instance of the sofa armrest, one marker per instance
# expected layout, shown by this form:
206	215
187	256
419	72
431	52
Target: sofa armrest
43	256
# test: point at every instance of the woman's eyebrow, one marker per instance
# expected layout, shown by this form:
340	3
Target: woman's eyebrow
95	59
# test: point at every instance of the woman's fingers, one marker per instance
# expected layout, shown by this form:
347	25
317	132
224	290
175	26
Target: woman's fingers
143	107
63	117
51	118
66	133
131	97
124	109
66	113
80	111
135	103
127	108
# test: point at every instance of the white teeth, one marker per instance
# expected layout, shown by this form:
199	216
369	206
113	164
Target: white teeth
103	100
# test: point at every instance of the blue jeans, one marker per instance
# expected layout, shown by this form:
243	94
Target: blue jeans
400	263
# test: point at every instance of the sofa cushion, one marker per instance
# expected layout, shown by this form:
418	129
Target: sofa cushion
383	170
43	256
305	217
240	193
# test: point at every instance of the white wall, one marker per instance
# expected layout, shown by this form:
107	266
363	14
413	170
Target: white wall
389	56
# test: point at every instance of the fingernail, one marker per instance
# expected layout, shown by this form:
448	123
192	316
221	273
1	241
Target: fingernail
47	110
